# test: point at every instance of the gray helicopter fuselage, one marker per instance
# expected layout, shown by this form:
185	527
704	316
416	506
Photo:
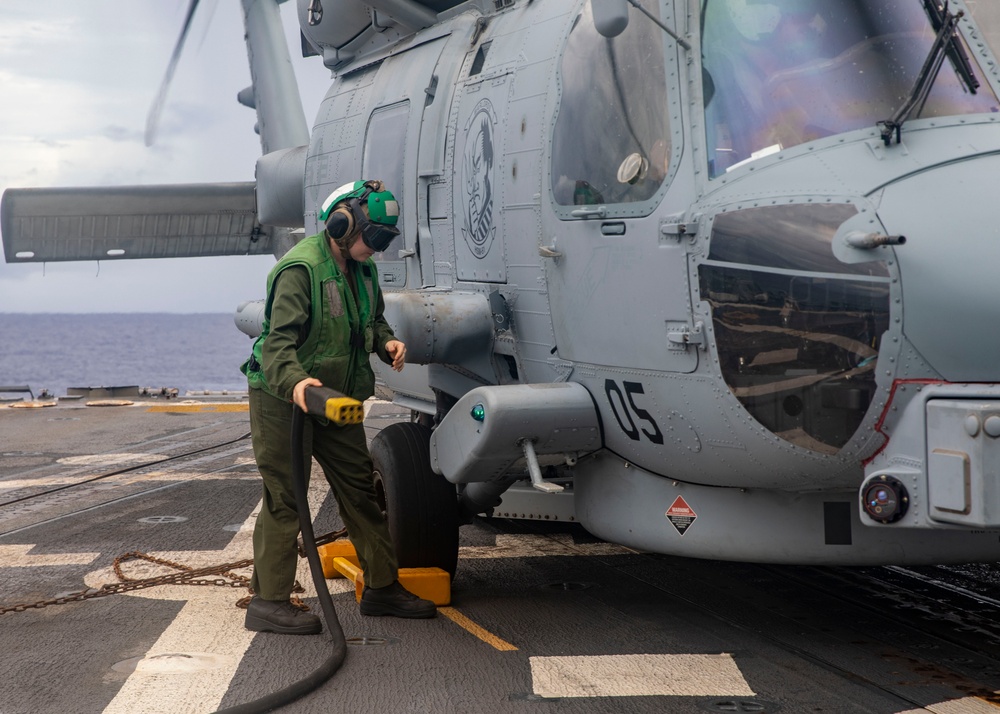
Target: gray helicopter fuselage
763	325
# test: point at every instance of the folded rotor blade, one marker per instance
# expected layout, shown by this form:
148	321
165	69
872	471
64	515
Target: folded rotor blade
41	225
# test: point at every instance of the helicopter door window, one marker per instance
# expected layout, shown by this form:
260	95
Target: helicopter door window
785	72
383	154
797	331
611	142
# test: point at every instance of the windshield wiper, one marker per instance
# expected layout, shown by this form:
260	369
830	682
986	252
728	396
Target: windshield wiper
946	44
956	52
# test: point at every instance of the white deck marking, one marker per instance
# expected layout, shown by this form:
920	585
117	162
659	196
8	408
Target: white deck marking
208	624
965	705
83	476
691	675
16	556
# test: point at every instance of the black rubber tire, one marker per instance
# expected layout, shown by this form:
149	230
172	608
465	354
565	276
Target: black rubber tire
420	505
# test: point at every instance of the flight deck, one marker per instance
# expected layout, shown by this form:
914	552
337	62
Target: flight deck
543	617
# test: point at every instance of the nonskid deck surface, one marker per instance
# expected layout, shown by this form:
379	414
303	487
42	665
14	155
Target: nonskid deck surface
543	616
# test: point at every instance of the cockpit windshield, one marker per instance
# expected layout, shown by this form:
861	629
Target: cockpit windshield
778	73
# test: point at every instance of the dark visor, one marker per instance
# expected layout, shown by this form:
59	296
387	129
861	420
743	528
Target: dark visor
378	236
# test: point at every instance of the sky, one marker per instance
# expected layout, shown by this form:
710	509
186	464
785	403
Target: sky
77	80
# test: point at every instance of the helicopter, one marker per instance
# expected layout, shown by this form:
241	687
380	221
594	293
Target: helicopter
712	278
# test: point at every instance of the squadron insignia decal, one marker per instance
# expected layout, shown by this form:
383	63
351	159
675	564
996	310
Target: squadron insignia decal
477	179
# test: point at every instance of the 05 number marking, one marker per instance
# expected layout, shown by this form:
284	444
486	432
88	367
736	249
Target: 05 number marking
623	406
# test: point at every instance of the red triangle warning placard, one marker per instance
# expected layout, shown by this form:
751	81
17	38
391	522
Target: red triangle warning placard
680	515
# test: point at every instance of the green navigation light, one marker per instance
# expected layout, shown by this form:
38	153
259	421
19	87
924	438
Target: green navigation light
479	412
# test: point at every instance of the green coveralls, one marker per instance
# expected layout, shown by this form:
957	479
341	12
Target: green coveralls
316	326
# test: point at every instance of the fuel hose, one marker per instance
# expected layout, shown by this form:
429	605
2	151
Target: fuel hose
339	409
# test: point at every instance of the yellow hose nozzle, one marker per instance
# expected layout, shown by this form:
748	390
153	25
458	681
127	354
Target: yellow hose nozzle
333	405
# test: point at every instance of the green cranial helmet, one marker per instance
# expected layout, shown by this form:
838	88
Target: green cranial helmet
382	205
377	224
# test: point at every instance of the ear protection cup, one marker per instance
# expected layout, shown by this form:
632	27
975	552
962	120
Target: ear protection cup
340	224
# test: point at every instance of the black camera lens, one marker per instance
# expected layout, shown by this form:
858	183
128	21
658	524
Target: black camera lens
884	499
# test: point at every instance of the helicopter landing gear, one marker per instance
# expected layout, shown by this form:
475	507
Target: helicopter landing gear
420	505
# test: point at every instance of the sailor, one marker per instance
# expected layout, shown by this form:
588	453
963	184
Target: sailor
322	319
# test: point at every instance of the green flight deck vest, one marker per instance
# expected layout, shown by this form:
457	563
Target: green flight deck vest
341	329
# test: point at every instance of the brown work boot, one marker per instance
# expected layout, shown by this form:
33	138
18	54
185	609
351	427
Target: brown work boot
395	600
280	616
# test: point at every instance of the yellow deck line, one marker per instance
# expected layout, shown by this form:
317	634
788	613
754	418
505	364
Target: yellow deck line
239	407
474	629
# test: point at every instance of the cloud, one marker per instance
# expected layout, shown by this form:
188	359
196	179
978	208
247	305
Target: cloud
76	82
120	133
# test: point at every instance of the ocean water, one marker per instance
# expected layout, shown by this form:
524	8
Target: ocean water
186	352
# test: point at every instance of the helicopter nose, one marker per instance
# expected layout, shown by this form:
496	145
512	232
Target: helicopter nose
949	264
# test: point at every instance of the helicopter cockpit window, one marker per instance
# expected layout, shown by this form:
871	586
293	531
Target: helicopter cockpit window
797	331
790	71
611	142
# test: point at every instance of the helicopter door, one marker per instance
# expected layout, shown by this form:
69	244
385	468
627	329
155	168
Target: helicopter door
617	272
622	294
400	100
482	109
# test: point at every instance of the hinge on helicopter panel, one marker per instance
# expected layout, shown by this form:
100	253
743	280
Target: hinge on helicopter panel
678	230
689	336
431	90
